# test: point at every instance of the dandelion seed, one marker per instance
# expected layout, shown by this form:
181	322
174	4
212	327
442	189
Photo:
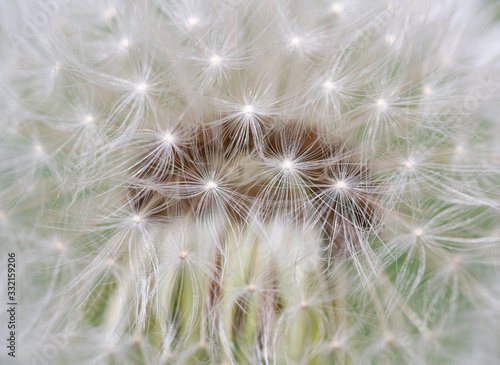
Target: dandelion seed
328	85
418	232
57	67
304	305
61	247
495	157
251	288
248	109
430	335
459	150
408	164
169	138
183	255
136	219
336	345
445	60
456	262
381	104
192	21
110	13
39	149
211	185
389	338
340	185
125	43
141	87
337	8
89	120
295	41
427	90
287	165
215	60
390	39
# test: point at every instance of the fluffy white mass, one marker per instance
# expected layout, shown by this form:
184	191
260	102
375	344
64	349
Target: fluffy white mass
246	182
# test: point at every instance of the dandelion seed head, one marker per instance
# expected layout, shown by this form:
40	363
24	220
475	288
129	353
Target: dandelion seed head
237	181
